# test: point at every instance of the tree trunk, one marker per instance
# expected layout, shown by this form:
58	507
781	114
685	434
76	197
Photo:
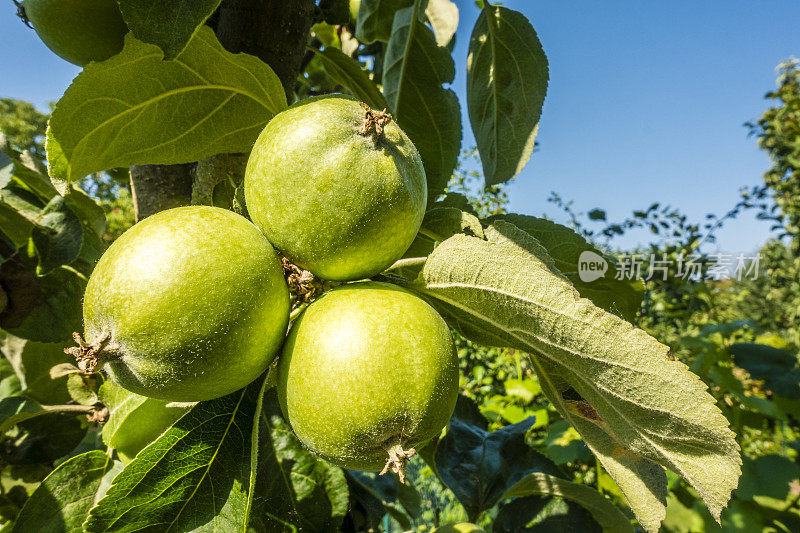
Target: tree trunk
276	31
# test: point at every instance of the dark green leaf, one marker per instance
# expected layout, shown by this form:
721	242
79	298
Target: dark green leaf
16	409
194	478
168	25
507	76
297	487
58	237
375	19
414	70
601	508
44	439
778	368
122	111
564	445
479	466
346	71
60	504
9	381
768	475
44	309
535	514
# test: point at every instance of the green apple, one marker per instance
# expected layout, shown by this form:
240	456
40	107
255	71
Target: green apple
336	188
189	304
367	374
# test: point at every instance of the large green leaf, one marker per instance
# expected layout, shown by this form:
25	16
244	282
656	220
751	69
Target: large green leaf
603	511
619	296
540	514
414	70
135	108
60	504
632	403
375	19
507	76
195	477
168	25
346	71
297	487
479	467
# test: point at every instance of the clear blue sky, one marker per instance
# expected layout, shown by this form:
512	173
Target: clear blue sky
646	101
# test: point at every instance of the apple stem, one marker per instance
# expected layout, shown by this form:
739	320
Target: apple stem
374	122
89	356
398	458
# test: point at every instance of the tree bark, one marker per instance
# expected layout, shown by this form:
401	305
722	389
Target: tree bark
158	187
276	31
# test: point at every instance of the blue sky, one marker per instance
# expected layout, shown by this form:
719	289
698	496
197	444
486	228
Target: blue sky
646	101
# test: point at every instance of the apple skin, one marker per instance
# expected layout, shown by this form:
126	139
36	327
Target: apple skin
194	301
338	203
365	365
80	31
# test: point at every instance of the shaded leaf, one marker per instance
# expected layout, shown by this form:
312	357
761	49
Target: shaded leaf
768	475
375	18
414	70
43	439
168	25
297	487
195	477
17	409
135	108
479	466
346	71
535	514
62	501
441	223
507	76
58	237
778	368
603	511
564	445
44	309
633	405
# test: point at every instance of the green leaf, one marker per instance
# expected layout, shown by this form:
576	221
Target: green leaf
64	498
563	444
375	17
195	477
778	368
414	70
168	25
619	296
44	309
58	236
135	108
17	409
297	487
768	475
43	439
633	405
9	381
346	71
543	514
443	16
507	76
441	223
479	466
606	514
